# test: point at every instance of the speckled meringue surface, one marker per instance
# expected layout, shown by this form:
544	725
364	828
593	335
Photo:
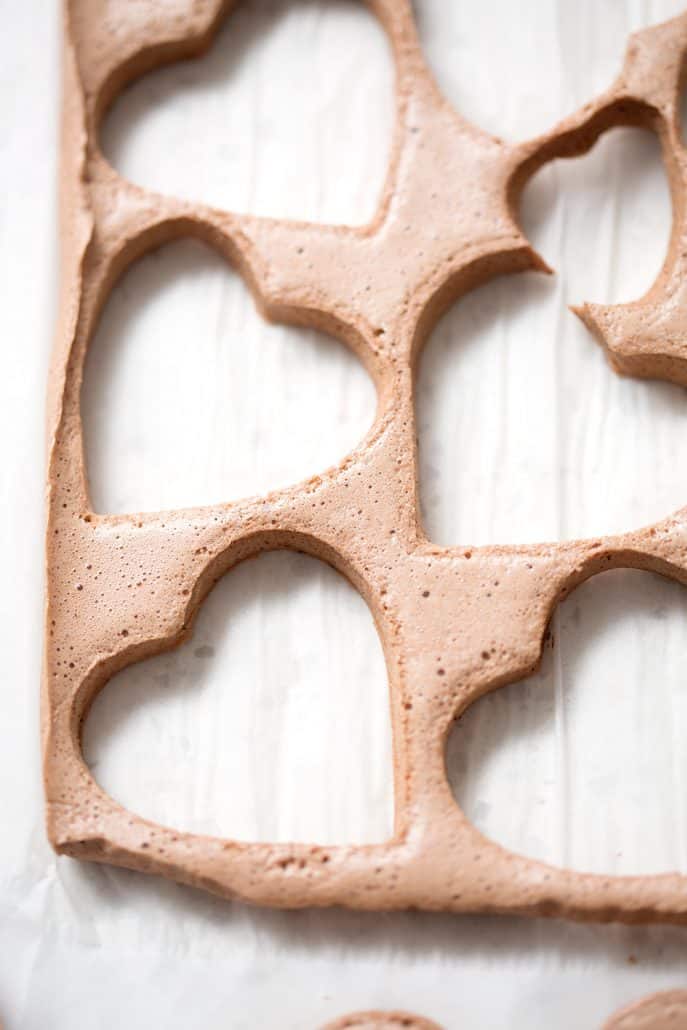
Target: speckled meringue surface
454	622
666	1010
382	1021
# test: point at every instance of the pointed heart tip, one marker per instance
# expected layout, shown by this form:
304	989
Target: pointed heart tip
539	264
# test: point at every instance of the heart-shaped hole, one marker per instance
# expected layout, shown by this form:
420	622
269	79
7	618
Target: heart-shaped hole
270	724
584	764
289	115
516	71
191	398
525	432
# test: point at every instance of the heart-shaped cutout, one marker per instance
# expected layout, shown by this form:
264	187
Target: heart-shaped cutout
289	114
191	398
526	434
583	764
271	724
